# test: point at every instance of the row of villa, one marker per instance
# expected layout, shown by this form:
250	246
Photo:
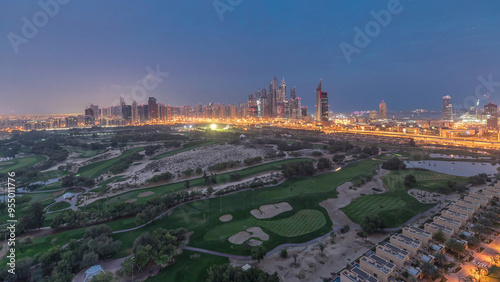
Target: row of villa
413	244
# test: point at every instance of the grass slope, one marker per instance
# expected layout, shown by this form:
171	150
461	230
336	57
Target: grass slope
95	169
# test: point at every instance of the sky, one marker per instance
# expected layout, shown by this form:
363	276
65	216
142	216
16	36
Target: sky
58	56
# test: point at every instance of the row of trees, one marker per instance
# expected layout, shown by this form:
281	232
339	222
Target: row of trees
301	168
62	263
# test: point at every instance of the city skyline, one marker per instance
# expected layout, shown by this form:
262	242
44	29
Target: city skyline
209	61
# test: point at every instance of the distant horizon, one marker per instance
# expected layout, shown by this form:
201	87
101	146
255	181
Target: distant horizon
402	52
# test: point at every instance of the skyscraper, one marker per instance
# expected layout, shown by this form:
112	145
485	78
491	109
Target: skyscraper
321	104
447	108
153	109
135	113
383	110
491	110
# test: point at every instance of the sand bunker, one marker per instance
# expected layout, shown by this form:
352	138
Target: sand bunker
226	217
57	193
253	242
268	211
424	196
252	232
131	200
145	194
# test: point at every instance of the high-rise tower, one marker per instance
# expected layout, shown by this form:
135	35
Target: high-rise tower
321	104
447	108
383	110
153	109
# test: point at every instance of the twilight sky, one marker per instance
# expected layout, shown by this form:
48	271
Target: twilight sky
94	51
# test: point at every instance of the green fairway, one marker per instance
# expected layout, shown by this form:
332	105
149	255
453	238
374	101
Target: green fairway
185	147
302	222
60	206
14	164
84	153
189	266
325	182
179	186
395	206
95	169
370	205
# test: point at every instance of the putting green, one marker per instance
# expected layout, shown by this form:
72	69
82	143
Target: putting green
371	205
302	222
14	164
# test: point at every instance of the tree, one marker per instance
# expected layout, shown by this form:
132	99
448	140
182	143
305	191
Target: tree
321	246
332	237
410	181
440	259
283	253
89	259
228	273
295	258
372	223
394	164
258	253
104	277
429	270
210	190
338	158
455	246
439	236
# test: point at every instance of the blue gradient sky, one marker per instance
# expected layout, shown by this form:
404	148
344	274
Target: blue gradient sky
93	51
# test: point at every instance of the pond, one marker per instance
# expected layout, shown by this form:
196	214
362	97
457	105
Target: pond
446	156
455	168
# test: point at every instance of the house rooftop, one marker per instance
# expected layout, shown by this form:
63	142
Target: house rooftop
379	263
358	275
407	240
419	231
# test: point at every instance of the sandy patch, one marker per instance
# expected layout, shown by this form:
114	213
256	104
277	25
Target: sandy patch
269	211
131	200
226	218
145	194
424	196
242	236
253	242
57	193
347	248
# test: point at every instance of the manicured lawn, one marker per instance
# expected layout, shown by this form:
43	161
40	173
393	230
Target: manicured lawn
60	206
14	164
189	266
369	205
395	206
85	153
95	169
185	147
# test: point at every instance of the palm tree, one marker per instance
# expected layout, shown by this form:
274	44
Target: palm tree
332	237
429	270
440	259
321	246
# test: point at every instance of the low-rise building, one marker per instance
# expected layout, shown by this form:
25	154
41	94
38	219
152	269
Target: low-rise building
469	204
435	227
356	274
481	195
448	222
413	246
438	248
416	272
491	191
462	209
462	217
477	200
378	267
395	255
427	258
418	234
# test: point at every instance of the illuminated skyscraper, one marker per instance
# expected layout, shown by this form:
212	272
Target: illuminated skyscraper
491	110
135	113
321	104
447	108
383	110
153	109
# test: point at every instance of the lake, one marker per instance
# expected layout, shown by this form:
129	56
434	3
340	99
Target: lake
455	168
